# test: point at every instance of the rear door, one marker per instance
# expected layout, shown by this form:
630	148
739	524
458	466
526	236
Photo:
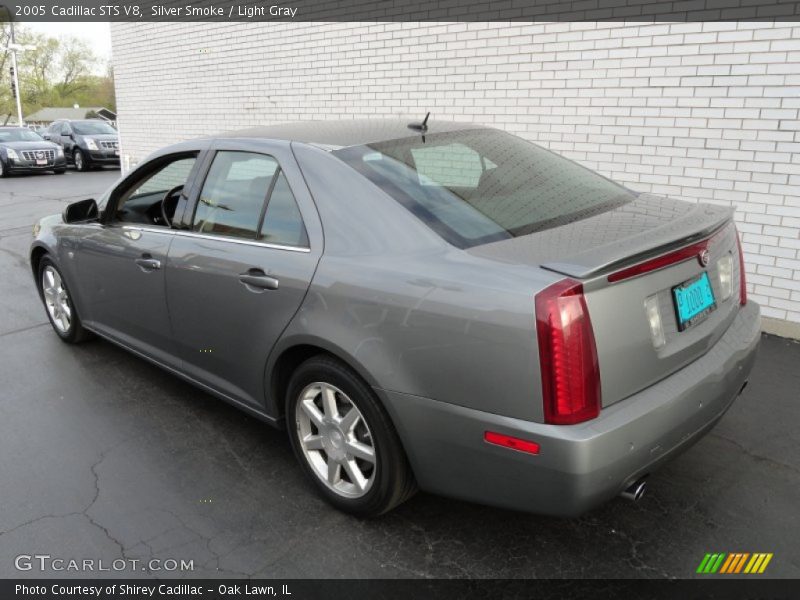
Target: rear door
241	269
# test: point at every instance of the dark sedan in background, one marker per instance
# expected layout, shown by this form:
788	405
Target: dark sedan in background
447	306
86	143
24	151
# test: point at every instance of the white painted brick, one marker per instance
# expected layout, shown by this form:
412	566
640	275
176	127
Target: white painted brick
702	111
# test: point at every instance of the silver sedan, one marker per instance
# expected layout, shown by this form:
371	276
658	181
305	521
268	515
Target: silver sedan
439	306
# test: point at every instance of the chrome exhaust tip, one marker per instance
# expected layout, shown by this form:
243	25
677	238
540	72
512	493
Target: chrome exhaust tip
636	490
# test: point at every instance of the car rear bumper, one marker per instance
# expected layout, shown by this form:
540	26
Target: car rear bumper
578	466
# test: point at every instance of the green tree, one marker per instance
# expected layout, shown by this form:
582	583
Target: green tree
56	72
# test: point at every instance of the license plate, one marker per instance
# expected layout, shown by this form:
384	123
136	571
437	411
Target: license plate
694	300
41	161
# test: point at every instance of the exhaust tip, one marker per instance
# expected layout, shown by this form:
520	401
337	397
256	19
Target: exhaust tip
636	490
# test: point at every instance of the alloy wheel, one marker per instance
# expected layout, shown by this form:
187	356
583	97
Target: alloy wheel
79	160
56	299
335	440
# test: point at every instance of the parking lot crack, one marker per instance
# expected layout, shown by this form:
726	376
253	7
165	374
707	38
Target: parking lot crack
755	456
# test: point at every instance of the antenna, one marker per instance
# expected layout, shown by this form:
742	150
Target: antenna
420	126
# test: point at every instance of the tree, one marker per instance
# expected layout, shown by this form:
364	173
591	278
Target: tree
57	72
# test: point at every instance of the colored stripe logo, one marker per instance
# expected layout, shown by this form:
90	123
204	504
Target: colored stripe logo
733	563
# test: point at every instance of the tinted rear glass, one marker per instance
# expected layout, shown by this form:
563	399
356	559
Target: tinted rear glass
482	185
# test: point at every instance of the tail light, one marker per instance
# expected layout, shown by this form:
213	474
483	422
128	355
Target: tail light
567	354
742	278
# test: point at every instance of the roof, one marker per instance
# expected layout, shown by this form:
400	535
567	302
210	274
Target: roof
57	113
348	132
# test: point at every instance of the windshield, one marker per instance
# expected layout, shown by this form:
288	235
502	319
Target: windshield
19	135
481	185
92	128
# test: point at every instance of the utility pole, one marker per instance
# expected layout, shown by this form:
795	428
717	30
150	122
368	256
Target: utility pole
14	75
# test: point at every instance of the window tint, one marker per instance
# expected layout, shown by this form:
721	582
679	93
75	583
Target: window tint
481	185
283	223
450	165
92	127
153	185
233	194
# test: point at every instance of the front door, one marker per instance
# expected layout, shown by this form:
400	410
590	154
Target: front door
235	281
122	262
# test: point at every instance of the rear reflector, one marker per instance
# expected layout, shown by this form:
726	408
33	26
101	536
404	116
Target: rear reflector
742	275
511	442
567	354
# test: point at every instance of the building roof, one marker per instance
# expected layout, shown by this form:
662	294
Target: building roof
346	132
51	114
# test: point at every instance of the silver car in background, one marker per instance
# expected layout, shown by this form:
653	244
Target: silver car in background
445	307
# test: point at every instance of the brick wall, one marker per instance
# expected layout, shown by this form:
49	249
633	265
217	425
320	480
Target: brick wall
704	111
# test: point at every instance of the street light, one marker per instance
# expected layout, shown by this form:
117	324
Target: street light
14	48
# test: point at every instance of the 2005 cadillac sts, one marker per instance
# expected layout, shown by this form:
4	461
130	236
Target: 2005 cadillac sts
441	306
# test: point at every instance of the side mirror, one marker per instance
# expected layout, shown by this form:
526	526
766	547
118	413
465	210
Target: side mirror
81	211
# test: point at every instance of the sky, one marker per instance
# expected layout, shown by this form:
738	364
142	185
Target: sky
97	35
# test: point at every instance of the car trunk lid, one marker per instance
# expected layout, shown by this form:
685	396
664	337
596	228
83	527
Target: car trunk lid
599	252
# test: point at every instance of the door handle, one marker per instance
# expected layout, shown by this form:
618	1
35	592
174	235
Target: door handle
257	278
147	263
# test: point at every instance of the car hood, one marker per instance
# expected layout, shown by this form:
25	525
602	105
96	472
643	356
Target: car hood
101	137
43	145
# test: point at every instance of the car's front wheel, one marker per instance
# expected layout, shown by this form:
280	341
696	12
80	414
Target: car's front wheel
344	439
59	171
58	304
80	160
3	170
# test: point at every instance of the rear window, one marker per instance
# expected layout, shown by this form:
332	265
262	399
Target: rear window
482	185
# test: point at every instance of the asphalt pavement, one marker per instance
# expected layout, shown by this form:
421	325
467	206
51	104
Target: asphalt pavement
104	456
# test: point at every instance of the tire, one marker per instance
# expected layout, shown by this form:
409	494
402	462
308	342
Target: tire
60	171
66	324
3	170
385	482
80	160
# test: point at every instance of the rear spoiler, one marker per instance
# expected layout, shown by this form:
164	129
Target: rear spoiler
701	222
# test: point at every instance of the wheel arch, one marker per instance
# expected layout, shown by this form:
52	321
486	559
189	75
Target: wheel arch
291	354
37	253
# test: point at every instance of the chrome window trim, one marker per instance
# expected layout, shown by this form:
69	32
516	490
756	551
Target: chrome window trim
218	238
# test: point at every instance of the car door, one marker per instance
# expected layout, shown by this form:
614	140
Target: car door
122	260
235	281
66	140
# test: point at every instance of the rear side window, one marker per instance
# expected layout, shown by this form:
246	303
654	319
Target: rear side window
283	223
482	185
246	195
234	194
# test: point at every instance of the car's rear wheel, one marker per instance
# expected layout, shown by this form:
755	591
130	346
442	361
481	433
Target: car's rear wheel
80	160
344	439
58	304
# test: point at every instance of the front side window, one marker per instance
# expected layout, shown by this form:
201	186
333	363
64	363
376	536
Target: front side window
482	185
246	195
141	201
